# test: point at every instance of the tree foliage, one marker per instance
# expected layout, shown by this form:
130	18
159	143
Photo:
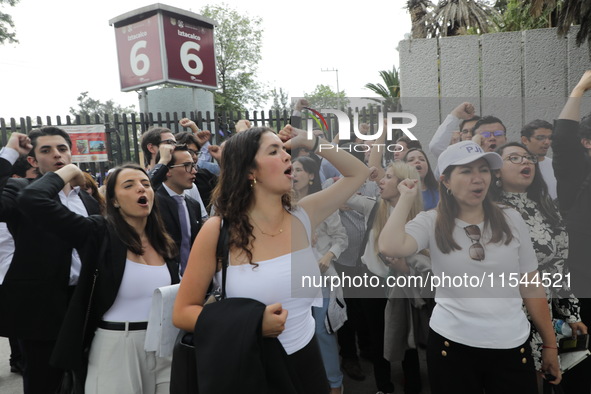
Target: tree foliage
238	40
91	107
7	33
419	11
324	97
515	15
451	17
280	100
568	13
389	90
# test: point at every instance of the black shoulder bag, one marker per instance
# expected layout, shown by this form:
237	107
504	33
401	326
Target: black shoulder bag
183	375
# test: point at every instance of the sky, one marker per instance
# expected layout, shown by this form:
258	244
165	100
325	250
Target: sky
67	47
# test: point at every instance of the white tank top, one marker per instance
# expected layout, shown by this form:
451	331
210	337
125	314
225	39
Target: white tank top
134	298
279	280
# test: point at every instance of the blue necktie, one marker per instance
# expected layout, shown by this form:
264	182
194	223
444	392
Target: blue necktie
186	237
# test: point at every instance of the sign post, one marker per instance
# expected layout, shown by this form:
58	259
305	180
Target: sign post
162	44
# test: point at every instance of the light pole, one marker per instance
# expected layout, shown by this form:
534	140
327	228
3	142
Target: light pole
338	90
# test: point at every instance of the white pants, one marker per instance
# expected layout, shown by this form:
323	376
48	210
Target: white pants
119	364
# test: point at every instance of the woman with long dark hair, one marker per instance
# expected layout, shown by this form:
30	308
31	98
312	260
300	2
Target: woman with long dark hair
270	242
519	184
429	186
479	333
125	257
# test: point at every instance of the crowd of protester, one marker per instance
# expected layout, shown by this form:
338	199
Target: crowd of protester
80	262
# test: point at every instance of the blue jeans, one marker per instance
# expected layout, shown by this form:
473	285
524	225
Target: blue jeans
329	348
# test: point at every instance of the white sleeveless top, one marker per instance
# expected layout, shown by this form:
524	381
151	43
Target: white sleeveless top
280	280
134	298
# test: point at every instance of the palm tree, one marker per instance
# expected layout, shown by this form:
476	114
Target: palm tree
419	11
456	17
390	92
568	13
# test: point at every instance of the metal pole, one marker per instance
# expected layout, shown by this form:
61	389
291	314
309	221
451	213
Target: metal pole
338	90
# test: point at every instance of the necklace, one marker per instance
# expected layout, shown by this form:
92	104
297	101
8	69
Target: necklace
264	233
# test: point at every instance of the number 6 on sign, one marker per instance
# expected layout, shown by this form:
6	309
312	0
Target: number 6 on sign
187	57
135	59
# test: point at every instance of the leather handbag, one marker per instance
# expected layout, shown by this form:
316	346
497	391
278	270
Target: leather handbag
183	375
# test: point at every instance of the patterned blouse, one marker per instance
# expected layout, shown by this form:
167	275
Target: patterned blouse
551	247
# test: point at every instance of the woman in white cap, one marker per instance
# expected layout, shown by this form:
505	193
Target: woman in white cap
484	268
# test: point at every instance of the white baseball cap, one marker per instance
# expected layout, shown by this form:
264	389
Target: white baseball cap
465	152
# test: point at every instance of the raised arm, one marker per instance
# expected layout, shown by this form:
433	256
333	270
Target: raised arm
320	205
572	109
393	240
570	161
18	144
158	173
377	153
38	202
442	136
296	116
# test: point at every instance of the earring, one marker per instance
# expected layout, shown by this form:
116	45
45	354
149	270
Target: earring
254	182
116	206
449	193
310	182
498	183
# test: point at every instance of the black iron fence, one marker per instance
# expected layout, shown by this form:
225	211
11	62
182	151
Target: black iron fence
124	131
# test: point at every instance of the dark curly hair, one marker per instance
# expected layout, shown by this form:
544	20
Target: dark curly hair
233	195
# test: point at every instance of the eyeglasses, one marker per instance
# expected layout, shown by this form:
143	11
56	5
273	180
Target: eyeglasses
488	134
476	250
195	153
542	137
189	166
518	159
169	142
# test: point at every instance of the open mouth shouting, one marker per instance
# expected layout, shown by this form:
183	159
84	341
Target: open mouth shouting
478	193
288	172
143	201
526	171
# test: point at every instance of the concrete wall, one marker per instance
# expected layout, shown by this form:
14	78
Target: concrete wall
516	76
177	100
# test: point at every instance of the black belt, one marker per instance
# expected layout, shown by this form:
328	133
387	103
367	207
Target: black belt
120	326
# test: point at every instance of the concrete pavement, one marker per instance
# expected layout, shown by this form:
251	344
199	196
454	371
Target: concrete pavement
10	383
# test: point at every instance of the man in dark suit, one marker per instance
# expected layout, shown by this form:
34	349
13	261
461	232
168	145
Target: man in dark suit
44	270
175	173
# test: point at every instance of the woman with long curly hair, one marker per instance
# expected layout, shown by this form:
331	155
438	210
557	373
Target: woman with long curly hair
270	243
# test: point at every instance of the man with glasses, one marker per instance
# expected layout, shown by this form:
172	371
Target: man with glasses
151	140
490	133
174	174
537	137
